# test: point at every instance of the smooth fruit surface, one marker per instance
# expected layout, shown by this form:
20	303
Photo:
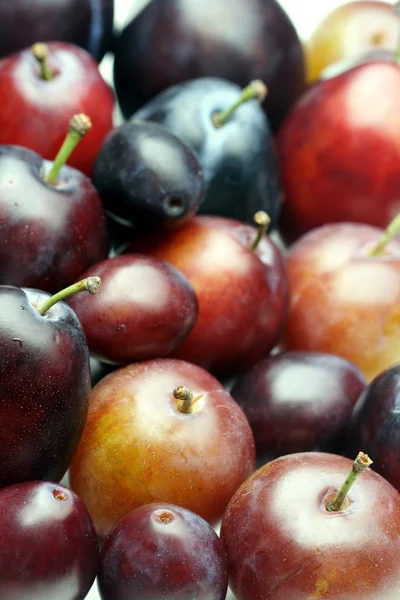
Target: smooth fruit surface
162	551
48	544
138	447
283	544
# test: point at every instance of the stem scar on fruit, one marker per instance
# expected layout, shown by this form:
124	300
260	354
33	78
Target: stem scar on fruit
90	284
361	464
79	126
187	403
256	90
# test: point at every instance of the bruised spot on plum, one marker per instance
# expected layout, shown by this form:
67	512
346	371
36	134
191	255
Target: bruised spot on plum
322	587
165	517
60	495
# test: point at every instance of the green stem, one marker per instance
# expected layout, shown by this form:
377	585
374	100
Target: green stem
41	53
391	232
397	51
360	465
91	285
185	397
256	90
78	127
262	220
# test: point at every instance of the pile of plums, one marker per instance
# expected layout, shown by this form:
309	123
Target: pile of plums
199	306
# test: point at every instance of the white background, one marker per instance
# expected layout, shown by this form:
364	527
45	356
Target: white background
306	14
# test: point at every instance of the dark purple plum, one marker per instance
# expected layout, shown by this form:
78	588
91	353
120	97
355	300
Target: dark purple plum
146	176
86	23
44	386
174	41
146	308
162	551
48	547
375	424
299	401
238	157
50	233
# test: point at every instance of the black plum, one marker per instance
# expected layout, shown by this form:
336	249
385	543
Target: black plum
375	424
299	401
86	23
172	41
147	176
44	386
162	551
49	548
238	157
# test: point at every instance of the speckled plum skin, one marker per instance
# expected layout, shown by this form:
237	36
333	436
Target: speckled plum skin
243	297
50	234
138	447
344	301
162	551
338	155
44	387
375	424
283	544
145	309
48	545
299	401
87	23
45	108
170	42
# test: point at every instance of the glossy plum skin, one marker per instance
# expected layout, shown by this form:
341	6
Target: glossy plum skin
242	294
170	42
375	424
162	551
147	176
44	387
239	159
49	233
138	447
339	158
145	309
45	108
49	546
87	23
283	544
350	31
344	301
299	401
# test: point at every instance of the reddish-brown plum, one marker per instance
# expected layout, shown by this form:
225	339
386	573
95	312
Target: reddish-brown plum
375	423
351	30
174	41
49	233
140	446
44	386
344	299
48	544
283	543
242	293
299	401
35	113
145	309
339	152
162	551
87	23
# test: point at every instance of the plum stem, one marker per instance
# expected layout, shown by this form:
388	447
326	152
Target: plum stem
41	52
396	7
391	231
90	284
185	397
361	464
256	90
78	128
262	220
